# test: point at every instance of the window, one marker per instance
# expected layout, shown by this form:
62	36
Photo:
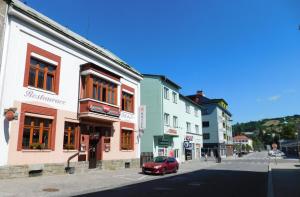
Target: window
187	108
36	133
175	121
166	93
197	129
206	136
70	135
205	112
167	119
196	112
205	124
188	126
41	75
224	126
126	139
104	91
127	102
42	69
174	97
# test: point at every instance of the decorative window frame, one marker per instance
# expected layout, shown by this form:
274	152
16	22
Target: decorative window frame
40	112
43	55
128	90
128	127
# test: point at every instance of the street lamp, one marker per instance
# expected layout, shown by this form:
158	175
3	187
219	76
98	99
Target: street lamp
298	135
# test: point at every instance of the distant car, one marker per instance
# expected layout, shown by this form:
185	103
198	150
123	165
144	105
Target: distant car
161	165
276	153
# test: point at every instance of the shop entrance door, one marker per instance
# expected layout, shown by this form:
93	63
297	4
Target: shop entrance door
93	153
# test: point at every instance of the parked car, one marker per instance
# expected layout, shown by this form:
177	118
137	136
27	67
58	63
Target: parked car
276	153
161	165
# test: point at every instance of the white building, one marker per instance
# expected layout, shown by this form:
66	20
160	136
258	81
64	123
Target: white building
191	128
216	124
242	140
66	94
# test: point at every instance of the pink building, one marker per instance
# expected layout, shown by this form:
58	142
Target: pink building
63	96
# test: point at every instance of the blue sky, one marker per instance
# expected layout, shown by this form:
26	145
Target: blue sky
247	52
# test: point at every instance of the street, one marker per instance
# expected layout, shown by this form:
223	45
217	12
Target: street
245	176
249	175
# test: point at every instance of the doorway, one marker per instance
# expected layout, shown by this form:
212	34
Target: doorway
93	153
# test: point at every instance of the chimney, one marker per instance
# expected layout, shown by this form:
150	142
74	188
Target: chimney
200	93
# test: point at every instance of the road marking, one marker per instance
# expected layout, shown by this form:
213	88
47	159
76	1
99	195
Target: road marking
142	177
270	183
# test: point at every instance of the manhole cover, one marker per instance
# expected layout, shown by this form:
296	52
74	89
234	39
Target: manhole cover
50	190
195	184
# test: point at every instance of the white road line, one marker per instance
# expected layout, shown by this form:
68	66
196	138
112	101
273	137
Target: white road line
142	177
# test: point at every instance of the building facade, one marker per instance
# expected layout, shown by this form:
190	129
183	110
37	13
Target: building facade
64	97
216	125
191	129
242	140
166	133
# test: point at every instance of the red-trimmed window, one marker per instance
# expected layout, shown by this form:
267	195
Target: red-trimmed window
37	127
42	69
127	102
36	133
127	139
70	135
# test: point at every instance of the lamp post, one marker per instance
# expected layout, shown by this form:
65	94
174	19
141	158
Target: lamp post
298	136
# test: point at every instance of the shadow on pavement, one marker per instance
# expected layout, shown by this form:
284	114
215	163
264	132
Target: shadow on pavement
212	183
286	182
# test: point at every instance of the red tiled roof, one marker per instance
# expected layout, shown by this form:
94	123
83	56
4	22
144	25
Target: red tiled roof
240	137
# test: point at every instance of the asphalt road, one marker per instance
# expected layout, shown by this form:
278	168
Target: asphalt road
245	177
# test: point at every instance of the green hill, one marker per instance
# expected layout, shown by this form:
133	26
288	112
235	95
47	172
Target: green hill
270	130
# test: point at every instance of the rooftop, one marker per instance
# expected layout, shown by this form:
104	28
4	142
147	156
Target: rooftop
40	18
163	78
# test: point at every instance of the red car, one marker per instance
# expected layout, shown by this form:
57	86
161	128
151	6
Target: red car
161	165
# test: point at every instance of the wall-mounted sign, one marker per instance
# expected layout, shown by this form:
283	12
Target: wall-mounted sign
172	131
104	110
189	138
142	117
41	97
11	114
187	145
163	142
126	116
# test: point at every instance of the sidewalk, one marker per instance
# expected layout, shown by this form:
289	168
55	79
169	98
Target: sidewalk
92	181
284	179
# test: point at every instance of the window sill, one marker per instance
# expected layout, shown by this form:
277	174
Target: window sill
41	90
72	151
36	150
129	112
127	150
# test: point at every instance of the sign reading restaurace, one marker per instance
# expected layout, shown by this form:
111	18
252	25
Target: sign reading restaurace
41	97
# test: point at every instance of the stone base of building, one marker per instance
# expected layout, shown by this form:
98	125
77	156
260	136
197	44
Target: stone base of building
21	171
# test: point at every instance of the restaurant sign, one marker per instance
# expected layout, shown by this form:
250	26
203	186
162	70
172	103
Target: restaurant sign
104	110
